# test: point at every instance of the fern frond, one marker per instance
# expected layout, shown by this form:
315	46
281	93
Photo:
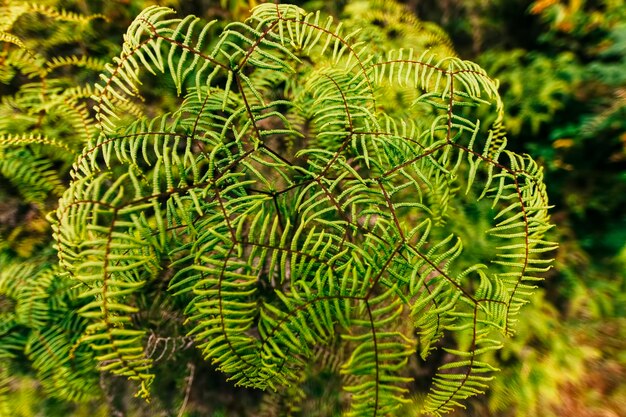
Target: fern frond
19	59
524	224
44	330
14	39
120	85
463	377
10	14
379	354
88	62
31	138
32	175
130	264
63	375
56	14
5	387
392	25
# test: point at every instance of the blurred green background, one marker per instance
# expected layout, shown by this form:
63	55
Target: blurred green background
562	71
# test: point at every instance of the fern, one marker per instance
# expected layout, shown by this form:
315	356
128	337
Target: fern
286	203
44	123
47	106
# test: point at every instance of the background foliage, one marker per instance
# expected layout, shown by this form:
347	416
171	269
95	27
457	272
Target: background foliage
561	65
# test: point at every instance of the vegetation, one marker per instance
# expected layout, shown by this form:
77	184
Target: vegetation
327	214
561	67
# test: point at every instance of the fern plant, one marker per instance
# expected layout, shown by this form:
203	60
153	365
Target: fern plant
289	203
44	122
